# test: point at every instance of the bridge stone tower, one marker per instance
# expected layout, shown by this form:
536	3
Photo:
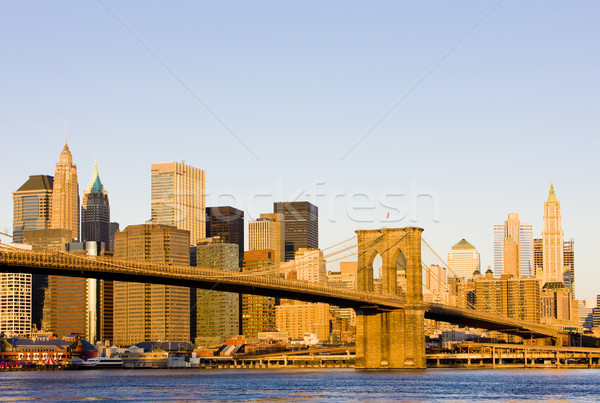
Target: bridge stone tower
394	339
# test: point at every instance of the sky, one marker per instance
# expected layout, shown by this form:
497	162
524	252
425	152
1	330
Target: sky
446	115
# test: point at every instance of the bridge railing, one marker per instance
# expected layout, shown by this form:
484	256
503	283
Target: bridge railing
72	261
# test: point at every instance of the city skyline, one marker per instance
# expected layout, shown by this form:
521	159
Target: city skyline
491	96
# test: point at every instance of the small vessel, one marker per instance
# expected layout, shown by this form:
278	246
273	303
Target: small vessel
103	362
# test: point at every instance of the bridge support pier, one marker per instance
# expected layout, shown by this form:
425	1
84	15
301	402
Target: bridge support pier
390	340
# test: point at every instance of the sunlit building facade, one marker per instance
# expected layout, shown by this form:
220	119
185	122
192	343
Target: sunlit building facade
65	194
258	312
178	197
522	236
301	226
463	260
553	241
217	313
95	212
150	312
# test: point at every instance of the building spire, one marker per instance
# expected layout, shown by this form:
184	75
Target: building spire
552	195
95	185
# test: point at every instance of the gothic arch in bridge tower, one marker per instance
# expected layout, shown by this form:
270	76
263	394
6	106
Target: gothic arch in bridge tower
392	339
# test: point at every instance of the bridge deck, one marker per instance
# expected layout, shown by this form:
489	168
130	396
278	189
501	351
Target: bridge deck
73	265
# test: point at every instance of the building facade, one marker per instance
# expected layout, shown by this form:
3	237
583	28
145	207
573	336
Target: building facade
150	312
463	260
15	303
217	313
309	265
32	211
227	223
32	206
95	212
508	296
538	258
258	312
553	241
178	197
268	233
569	266
65	194
301	226
299	318
522	237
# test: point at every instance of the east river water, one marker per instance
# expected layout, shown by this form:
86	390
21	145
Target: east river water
330	385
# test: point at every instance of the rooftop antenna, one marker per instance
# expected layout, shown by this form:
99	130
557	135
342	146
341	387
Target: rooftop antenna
65	132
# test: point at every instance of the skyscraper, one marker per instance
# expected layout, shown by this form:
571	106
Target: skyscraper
95	212
227	223
538	258
32	205
301	226
569	268
65	194
113	228
15	303
463	260
217	313
268	233
552	235
147	312
178	198
32	210
258	312
522	236
41	294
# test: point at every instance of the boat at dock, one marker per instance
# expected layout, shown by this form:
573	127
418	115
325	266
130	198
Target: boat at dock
103	362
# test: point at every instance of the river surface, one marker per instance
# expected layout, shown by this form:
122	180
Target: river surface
329	385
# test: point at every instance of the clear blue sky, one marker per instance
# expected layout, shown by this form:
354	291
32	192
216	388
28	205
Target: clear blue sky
509	110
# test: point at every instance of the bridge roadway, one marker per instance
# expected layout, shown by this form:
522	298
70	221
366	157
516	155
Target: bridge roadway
75	265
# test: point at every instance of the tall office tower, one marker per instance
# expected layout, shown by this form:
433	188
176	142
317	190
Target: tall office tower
508	296
552	235
95	212
298	318
511	257
522	235
32	205
301	226
178	197
228	223
15	303
113	228
75	303
569	268
100	301
538	258
65	194
32	208
217	313
526	250
258	312
146	312
463	260
268	233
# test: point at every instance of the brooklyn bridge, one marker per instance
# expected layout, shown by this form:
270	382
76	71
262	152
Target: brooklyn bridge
390	323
